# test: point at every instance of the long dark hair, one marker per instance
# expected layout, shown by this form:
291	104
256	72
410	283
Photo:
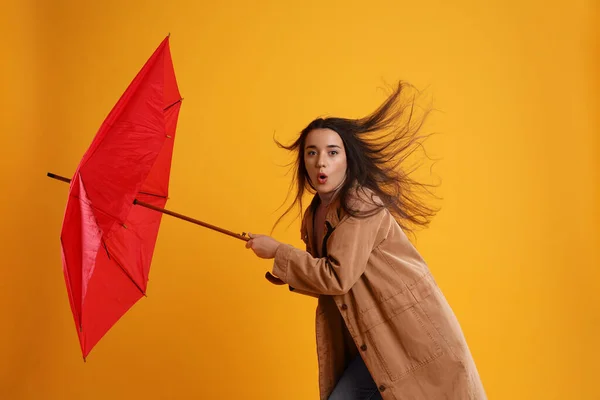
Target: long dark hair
377	147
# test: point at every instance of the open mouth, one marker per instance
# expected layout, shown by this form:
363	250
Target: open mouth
322	178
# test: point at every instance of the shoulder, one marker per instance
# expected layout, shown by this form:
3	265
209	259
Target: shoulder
363	200
366	219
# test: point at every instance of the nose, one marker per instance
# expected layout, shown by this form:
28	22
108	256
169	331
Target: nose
321	161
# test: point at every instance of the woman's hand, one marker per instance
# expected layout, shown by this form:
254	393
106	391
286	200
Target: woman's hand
262	245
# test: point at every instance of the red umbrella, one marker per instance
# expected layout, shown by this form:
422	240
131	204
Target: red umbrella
111	221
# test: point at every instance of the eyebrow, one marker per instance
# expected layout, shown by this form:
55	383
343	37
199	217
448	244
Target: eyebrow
328	146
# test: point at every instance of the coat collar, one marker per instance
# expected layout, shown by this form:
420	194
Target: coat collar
332	216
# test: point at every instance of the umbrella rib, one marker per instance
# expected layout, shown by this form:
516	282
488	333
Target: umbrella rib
171	105
153	194
122	268
94	207
106	249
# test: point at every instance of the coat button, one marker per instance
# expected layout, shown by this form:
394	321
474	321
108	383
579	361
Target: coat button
363	347
382	388
344	307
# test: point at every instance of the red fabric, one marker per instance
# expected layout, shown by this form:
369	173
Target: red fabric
107	241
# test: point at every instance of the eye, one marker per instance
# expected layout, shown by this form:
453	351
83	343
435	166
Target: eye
333	152
311	152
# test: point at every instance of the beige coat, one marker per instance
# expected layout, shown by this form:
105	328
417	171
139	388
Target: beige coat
378	297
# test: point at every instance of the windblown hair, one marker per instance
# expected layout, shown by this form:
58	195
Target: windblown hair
377	147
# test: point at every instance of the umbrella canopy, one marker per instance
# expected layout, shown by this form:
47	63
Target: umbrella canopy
107	241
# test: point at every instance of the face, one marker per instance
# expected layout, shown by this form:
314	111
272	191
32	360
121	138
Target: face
325	160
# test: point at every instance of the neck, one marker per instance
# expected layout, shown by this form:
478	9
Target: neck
327	198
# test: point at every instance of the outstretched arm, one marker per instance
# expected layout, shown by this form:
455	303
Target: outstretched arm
349	248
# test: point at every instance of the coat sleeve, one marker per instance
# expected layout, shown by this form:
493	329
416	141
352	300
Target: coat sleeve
294	290
277	281
305	240
348	250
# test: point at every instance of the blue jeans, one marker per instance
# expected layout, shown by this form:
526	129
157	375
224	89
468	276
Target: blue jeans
356	383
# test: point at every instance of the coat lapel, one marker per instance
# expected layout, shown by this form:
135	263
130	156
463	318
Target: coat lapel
332	218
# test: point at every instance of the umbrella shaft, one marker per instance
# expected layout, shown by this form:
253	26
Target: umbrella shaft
189	219
168	212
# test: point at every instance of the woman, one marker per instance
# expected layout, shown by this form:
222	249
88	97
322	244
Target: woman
384	329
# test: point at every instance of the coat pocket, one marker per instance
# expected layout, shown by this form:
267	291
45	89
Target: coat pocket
404	342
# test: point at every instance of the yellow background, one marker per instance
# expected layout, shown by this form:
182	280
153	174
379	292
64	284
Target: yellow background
515	247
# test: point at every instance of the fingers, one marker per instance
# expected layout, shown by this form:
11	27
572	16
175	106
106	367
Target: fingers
257	247
250	243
